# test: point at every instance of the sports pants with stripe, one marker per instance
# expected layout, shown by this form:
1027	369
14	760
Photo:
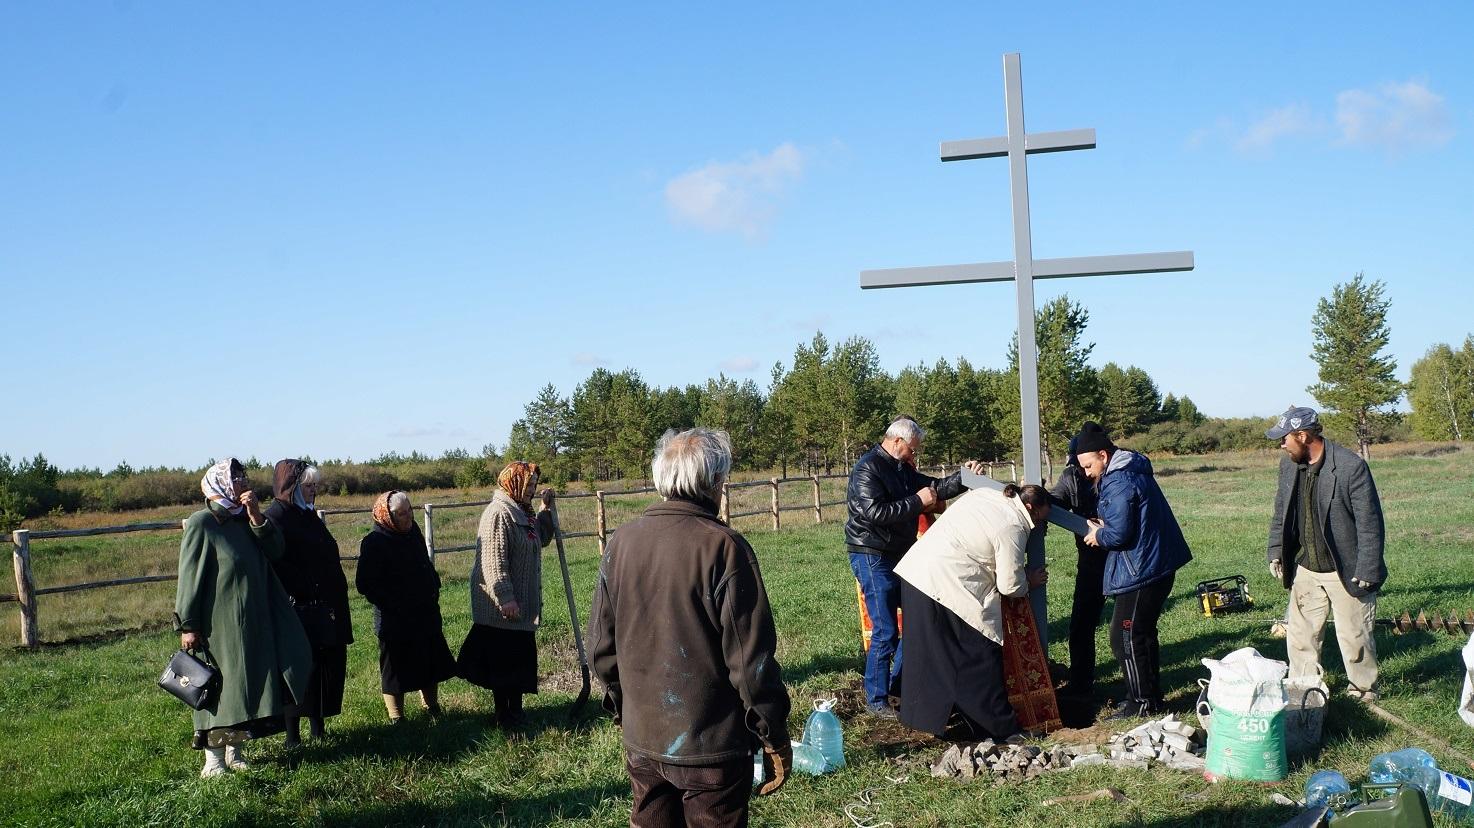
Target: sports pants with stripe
1134	638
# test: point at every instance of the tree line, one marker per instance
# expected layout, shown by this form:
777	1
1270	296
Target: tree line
822	409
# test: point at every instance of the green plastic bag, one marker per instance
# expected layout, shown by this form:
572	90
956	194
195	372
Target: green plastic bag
1247	746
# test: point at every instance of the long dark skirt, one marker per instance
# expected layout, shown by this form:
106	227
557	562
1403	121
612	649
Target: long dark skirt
325	685
407	664
499	659
951	666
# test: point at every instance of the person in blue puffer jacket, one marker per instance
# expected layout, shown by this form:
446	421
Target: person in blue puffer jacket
1144	549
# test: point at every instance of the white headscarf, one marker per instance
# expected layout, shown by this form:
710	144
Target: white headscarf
219	488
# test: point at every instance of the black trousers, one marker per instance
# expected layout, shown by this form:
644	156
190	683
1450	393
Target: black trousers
675	796
1134	639
1085	616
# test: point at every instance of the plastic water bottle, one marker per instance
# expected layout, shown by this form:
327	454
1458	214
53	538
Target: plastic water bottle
824	732
1399	765
1445	792
1323	786
808	759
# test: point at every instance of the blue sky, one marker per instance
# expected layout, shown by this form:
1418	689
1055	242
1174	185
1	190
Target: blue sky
342	229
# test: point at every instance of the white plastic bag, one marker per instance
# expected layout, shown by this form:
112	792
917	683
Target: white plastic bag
1466	699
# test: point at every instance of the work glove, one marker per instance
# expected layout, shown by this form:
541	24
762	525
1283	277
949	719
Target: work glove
777	764
1277	568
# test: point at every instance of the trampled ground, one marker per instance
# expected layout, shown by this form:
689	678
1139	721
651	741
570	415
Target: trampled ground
86	739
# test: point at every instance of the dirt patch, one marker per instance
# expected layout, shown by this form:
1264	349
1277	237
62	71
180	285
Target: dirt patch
1093	735
567	676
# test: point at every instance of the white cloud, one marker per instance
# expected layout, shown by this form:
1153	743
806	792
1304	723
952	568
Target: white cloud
587	360
734	196
1287	121
739	365
1394	116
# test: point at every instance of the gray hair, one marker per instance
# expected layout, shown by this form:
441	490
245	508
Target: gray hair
398	500
906	429
310	475
691	464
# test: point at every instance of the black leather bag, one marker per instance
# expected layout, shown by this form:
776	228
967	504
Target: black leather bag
320	622
192	680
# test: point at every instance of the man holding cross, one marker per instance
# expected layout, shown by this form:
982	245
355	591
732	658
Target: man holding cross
886	495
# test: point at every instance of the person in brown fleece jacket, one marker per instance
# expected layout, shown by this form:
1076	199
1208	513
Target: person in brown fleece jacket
682	638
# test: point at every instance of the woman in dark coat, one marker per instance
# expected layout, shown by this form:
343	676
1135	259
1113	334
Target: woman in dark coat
313	577
229	604
397	577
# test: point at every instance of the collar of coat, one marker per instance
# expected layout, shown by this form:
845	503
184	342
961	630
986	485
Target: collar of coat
681	506
506	502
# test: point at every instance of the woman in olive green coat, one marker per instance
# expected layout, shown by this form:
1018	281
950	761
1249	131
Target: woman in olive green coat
230	605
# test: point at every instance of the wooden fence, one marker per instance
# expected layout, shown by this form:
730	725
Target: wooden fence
27	591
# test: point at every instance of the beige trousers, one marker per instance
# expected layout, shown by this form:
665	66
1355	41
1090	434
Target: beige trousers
1313	595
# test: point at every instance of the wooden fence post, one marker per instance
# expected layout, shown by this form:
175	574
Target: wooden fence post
1013	469
724	511
818	515
776	522
25	588
600	527
430	532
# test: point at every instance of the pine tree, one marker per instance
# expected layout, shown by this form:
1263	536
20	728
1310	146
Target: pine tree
1357	382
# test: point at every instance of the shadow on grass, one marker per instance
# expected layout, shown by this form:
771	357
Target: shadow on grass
485	809
1257	816
822	664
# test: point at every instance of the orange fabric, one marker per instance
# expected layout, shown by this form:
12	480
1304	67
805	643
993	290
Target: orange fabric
381	513
1026	669
514	480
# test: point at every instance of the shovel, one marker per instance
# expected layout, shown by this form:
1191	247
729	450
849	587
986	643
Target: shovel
583	659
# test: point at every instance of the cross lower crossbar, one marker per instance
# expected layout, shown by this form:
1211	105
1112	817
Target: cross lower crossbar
1043	269
1034	143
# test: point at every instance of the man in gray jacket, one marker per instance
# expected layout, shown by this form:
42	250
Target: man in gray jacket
1325	546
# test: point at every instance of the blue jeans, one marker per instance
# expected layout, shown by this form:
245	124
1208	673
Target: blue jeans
882	591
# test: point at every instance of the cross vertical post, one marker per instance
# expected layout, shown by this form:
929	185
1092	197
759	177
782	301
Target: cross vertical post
1017	145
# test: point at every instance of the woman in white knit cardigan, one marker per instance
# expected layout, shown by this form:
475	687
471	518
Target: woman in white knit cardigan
500	651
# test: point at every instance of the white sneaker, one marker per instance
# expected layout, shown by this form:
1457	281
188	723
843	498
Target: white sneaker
234	760
214	762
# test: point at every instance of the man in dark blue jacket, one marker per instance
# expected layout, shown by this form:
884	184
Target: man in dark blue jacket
886	495
1144	549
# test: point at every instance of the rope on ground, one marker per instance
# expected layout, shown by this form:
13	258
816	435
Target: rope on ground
1430	738
864	804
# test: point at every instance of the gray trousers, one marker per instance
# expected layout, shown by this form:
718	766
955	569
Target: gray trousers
1314	596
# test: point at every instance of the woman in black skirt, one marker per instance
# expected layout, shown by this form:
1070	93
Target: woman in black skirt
397	577
313	577
500	652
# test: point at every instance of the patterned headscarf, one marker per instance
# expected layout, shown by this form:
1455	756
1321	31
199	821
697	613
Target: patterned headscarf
219	488
514	481
383	516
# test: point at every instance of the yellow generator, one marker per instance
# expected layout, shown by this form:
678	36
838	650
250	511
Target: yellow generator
1222	596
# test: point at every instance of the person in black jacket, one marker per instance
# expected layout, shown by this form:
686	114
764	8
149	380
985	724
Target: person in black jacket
1076	492
313	577
886	495
681	636
397	577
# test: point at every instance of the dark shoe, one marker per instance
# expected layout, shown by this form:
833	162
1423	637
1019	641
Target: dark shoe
883	712
1127	710
316	727
434	711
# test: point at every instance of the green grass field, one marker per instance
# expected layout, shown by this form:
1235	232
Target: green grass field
86	739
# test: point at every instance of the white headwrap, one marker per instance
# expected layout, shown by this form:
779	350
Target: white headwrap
219	488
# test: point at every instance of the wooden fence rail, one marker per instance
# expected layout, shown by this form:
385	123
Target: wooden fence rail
27	592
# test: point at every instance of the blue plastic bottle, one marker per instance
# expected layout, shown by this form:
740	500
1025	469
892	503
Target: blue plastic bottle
824	732
1399	765
1445	792
1324	785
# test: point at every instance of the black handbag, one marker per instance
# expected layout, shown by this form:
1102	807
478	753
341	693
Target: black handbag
192	680
320	622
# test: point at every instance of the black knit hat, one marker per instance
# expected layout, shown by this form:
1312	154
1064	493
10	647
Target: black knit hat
1092	438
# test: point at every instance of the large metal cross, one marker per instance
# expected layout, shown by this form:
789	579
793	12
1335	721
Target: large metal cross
1024	268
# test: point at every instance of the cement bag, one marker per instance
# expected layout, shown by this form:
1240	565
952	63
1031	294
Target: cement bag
1466	699
1246	733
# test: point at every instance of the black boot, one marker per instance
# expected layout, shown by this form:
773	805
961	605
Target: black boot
294	732
315	727
509	709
